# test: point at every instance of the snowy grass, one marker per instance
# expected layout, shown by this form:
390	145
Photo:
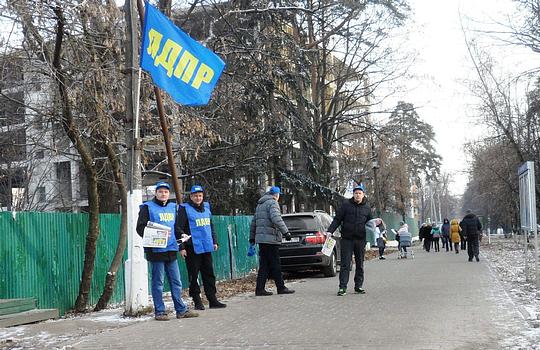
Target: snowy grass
506	260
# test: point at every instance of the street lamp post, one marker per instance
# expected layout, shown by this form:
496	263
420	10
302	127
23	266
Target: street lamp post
375	167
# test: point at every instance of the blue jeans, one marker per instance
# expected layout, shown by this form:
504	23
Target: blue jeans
173	276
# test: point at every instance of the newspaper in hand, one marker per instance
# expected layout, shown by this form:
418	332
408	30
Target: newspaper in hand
156	235
328	246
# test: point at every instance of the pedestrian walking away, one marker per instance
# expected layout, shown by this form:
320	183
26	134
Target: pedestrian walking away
455	234
380	236
445	235
195	220
352	216
435	235
425	234
471	227
404	238
163	260
268	230
463	241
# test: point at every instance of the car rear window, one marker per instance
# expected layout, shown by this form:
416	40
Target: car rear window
301	223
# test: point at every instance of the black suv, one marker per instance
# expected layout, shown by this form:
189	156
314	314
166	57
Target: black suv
303	251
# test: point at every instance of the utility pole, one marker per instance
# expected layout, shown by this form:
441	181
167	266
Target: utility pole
432	204
136	275
375	166
439	201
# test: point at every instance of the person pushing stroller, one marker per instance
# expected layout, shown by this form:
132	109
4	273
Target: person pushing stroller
405	239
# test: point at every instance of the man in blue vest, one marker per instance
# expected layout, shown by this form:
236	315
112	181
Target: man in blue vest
195	219
163	260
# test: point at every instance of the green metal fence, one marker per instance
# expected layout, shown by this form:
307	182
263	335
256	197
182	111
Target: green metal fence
41	255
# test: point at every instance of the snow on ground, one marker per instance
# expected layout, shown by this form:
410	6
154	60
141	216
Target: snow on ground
517	292
55	334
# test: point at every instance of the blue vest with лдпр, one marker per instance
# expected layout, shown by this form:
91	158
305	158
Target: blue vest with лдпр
165	216
200	227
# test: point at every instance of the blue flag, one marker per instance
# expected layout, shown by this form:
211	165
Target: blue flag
187	70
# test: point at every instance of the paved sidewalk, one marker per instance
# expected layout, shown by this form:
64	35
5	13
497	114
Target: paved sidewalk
435	301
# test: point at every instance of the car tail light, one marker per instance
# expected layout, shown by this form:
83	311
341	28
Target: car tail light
318	238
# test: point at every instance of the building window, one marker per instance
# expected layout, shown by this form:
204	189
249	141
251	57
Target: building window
83	183
11	109
12	146
59	138
63	178
40	194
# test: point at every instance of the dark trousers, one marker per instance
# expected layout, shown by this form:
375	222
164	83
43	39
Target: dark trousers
446	243
473	248
463	243
435	241
202	263
456	247
269	266
348	248
427	244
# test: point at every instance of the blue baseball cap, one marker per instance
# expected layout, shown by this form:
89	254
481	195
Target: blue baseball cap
163	184
274	190
359	187
196	188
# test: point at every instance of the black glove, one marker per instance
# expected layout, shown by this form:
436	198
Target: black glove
251	241
288	236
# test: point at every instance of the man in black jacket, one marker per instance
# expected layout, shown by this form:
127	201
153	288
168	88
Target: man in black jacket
352	216
471	227
425	234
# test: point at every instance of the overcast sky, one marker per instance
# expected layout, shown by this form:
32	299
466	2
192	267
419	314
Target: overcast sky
439	88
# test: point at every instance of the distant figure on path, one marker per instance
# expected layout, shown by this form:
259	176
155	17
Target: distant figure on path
435	235
380	235
425	234
405	236
445	235
455	234
471	227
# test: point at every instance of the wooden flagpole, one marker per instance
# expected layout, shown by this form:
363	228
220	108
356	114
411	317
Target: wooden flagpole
164	125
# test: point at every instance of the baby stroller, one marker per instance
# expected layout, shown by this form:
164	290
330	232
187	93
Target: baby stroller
405	241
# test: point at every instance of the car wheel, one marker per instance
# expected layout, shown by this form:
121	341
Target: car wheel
331	269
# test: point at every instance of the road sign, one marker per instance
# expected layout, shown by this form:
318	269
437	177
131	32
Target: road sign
527	197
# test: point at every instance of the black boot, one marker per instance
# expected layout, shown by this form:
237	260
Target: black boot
214	303
285	290
263	293
198	302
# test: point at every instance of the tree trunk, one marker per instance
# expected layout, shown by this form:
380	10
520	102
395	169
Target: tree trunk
110	280
87	161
